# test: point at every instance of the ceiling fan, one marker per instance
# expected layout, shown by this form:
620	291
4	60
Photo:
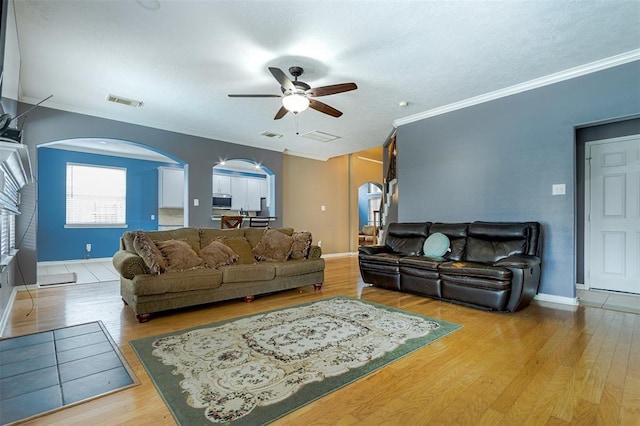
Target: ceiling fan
298	95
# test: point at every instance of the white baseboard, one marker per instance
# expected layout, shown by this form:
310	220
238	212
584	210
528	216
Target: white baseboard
543	297
58	262
7	311
340	254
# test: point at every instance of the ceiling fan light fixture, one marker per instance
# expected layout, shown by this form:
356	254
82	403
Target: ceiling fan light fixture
295	103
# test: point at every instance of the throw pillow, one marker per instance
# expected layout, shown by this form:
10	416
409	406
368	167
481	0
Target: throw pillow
241	247
301	244
436	245
217	254
149	252
179	255
274	246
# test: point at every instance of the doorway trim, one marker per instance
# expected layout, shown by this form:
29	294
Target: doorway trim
587	204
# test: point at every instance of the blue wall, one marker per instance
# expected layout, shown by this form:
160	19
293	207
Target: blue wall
497	161
57	243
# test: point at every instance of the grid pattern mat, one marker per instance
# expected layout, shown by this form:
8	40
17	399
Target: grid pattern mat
45	371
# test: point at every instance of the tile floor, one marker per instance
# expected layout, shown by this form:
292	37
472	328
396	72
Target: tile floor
88	271
614	301
44	371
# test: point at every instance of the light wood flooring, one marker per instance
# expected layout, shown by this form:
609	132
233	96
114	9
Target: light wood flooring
542	365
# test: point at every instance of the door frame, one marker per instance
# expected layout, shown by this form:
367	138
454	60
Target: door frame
587	202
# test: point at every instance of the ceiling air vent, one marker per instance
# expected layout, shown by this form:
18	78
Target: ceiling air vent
271	135
317	135
124	101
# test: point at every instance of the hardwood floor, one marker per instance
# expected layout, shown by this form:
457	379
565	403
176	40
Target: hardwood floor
541	365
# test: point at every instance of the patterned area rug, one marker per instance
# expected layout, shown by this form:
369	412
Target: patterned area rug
255	369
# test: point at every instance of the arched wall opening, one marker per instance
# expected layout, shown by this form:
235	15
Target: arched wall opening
58	237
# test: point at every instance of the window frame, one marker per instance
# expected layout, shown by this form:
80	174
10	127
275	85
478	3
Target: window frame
96	224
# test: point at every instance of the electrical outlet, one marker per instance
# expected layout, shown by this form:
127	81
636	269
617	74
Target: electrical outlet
153	217
558	189
319	243
88	248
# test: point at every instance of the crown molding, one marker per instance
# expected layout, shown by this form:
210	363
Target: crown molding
613	61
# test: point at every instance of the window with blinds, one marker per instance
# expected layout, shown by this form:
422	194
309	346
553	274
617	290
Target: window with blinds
7	234
96	196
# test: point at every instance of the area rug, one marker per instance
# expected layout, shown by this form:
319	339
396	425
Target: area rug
50	370
255	369
54	279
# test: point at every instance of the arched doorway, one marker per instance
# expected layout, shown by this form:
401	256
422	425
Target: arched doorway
241	186
369	199
135	202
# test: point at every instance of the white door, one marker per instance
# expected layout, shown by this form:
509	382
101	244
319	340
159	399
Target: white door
614	214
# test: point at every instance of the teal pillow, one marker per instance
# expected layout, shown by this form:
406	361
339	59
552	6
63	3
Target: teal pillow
436	245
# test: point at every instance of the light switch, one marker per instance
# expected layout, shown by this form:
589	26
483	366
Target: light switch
558	189
196	202
153	217
323	208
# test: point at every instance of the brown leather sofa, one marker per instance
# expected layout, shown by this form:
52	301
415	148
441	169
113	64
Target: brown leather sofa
489	265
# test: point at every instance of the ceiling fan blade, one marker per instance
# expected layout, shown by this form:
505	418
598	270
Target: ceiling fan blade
282	78
255	96
281	113
332	90
322	107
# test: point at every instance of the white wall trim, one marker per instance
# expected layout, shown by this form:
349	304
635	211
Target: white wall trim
7	311
579	71
544	297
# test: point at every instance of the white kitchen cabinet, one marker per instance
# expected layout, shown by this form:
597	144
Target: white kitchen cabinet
221	184
245	194
170	188
253	194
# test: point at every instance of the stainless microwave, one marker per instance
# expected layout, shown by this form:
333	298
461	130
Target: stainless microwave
222	201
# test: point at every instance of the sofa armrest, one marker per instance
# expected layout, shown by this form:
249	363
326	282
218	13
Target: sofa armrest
128	264
525	280
371	250
315	252
521	261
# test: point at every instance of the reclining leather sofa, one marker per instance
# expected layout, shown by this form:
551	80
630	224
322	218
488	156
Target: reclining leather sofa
488	265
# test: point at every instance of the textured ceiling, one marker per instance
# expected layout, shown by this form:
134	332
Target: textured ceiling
183	59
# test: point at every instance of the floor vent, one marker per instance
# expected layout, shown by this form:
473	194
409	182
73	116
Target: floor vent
317	135
124	101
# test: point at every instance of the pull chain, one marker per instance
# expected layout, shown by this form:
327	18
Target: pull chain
297	130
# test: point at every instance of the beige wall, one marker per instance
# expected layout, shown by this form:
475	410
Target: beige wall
309	184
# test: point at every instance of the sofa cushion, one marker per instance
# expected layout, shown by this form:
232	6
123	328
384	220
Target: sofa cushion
253	235
274	246
474	269
436	245
149	252
491	250
217	254
190	234
242	273
179	255
211	234
241	247
176	281
291	268
421	262
301	244
407	238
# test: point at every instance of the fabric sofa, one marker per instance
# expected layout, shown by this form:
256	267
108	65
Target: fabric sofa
487	265
164	270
